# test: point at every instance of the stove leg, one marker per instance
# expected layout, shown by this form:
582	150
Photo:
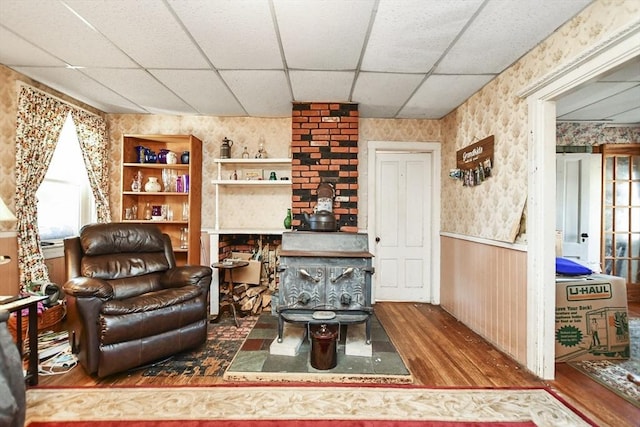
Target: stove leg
280	328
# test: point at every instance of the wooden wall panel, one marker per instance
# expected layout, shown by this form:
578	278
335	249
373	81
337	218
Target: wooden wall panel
9	272
484	286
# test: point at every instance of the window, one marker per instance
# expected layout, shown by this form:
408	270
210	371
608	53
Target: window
65	200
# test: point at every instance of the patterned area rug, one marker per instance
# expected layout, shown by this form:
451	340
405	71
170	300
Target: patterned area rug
224	340
615	374
298	406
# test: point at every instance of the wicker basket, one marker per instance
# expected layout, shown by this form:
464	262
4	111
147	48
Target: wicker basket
47	320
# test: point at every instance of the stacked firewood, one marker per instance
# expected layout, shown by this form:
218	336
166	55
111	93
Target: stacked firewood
254	299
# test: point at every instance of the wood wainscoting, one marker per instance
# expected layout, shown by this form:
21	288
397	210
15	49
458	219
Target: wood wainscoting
484	286
9	284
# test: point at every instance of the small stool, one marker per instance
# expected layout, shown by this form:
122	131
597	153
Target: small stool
228	299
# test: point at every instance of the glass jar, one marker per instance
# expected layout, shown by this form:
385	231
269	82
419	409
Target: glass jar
184	238
147	211
185	211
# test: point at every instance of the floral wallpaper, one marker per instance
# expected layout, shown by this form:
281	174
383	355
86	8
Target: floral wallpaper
568	134
493	210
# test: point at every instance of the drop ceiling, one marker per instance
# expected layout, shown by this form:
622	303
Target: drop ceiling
395	58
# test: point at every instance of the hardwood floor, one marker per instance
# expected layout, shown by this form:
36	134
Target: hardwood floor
441	352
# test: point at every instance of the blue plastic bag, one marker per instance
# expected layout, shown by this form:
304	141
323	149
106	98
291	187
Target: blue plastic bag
566	267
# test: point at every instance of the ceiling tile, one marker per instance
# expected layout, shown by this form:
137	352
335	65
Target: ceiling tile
318	86
383	94
233	35
323	49
145	30
323	34
202	89
261	93
408	37
605	109
142	89
75	84
16	51
53	27
439	95
504	31
589	94
627	72
631	116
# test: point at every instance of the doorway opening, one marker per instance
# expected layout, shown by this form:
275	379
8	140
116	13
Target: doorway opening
541	97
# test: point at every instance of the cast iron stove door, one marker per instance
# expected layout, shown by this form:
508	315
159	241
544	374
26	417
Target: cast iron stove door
346	288
303	287
319	287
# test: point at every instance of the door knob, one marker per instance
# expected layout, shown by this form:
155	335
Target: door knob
377	239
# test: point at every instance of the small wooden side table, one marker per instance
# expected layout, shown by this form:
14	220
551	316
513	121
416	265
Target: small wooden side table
228	299
30	303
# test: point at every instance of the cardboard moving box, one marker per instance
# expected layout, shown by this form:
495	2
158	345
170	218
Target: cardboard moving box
249	274
592	320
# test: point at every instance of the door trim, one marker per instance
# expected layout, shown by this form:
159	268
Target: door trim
541	96
435	149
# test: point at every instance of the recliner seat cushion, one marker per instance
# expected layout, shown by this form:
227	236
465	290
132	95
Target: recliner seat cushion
151	300
118	328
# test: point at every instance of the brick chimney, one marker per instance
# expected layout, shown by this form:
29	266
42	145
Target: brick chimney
324	146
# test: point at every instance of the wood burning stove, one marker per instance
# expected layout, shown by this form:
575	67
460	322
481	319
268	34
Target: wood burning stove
325	277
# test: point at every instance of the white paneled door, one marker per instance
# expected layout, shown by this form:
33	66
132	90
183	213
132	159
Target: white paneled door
578	206
403	244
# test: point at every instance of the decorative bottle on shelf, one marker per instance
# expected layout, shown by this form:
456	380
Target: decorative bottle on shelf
152	185
185	211
245	153
287	220
184	241
162	155
172	158
136	184
262	153
147	211
141	152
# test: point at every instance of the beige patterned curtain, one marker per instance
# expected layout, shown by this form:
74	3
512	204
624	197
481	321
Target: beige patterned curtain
39	122
92	134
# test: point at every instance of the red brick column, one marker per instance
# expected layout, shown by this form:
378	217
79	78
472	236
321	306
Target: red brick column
324	146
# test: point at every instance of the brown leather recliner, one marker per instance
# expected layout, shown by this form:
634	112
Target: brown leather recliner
128	303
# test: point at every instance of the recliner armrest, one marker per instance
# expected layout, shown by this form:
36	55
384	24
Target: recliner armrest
187	275
85	287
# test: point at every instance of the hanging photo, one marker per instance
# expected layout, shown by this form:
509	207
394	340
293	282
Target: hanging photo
476	161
